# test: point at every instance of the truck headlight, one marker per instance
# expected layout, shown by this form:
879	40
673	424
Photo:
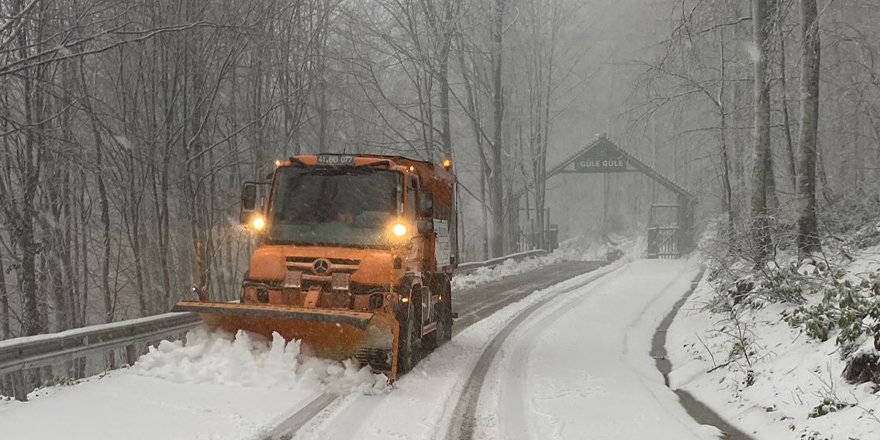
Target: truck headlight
258	222
399	229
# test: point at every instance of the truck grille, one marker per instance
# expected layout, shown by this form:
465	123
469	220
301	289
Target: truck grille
345	261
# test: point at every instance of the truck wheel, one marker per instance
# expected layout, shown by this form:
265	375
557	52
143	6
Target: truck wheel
443	333
408	348
445	318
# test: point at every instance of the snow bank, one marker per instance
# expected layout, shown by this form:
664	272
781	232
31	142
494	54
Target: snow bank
249	360
575	249
788	379
215	385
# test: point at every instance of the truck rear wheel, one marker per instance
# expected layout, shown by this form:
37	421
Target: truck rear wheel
443	333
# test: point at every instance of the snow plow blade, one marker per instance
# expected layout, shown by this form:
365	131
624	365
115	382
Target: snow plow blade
370	338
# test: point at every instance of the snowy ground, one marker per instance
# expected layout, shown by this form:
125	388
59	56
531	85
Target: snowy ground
213	387
581	368
573	362
577	249
792	373
577	368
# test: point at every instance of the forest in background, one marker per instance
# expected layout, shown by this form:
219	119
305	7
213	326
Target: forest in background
127	127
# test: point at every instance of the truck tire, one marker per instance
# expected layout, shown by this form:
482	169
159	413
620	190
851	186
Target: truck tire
445	319
408	341
443	333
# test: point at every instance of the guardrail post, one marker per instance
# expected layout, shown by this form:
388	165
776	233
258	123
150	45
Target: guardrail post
19	390
131	354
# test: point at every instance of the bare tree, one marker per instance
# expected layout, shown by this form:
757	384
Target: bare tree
496	172
762	171
808	234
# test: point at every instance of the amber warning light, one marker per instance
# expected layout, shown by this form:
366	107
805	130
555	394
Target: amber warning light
447	163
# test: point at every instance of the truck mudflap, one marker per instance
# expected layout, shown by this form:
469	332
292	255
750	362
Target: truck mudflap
371	338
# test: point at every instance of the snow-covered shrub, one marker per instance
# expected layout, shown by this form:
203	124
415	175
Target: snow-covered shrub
852	308
818	320
774	285
856	216
863	367
827	406
783	286
614	254
867	236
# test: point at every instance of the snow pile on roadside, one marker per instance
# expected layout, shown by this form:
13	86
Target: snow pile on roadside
762	370
575	249
509	267
249	360
597	248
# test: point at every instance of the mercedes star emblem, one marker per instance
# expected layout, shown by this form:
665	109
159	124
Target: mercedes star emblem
321	266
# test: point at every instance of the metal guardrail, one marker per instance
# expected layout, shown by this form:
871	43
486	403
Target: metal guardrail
465	268
20	355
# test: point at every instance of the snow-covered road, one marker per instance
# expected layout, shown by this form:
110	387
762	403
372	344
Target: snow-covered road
570	361
580	368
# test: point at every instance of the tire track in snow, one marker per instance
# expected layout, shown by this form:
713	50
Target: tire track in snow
506	416
289	426
514	378
508	290
463	420
696	409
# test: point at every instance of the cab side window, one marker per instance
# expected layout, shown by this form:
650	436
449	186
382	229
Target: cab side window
412	192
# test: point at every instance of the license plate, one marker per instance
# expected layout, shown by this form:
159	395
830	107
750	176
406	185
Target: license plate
335	160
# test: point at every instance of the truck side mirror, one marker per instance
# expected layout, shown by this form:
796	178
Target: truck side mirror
426	204
425	226
248	201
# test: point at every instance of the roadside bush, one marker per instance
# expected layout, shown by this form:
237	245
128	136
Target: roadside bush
613	254
851	308
828	406
818	320
863	367
783	286
859	215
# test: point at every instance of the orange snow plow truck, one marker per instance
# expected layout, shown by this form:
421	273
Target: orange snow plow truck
354	259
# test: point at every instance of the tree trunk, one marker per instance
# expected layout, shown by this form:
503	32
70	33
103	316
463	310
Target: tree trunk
808	233
727	191
105	225
496	182
786	120
23	231
761	172
5	328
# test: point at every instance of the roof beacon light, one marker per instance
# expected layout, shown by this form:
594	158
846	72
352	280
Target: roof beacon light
447	163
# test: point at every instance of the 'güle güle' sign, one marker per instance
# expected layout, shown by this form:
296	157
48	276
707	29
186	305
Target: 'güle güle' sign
601	158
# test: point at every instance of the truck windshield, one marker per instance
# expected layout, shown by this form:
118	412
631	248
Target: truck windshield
335	207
